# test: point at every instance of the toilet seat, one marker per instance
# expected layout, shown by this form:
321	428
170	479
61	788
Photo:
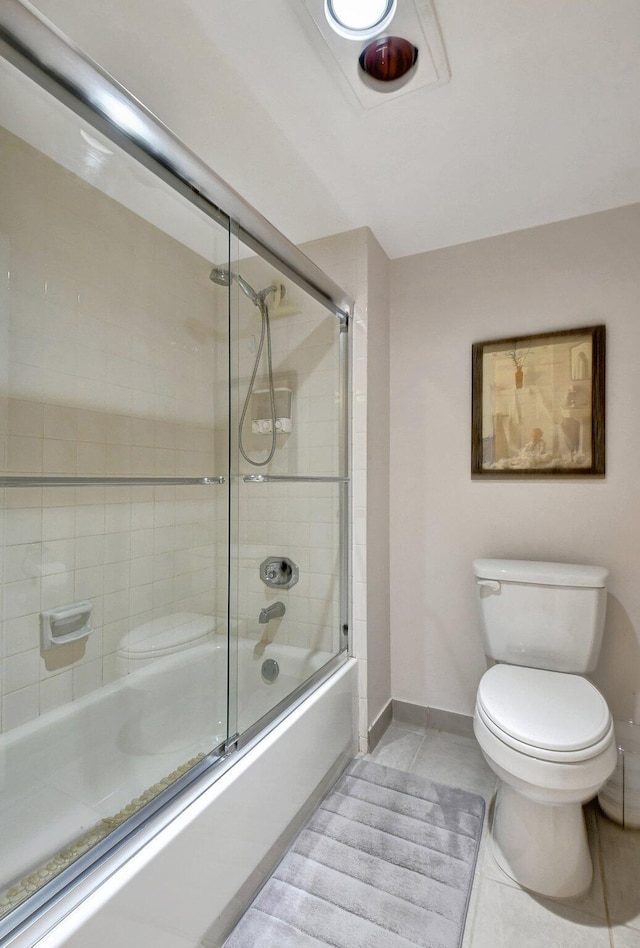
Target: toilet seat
546	715
166	635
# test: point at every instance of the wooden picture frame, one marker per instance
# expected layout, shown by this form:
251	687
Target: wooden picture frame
538	405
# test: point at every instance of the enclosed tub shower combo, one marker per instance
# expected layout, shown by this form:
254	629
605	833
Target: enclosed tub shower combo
175	505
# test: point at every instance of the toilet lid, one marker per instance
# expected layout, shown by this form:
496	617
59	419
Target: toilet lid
547	710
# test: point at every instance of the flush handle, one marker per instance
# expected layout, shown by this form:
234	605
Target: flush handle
492	584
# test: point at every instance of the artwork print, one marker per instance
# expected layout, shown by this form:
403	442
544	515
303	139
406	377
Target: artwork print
538	404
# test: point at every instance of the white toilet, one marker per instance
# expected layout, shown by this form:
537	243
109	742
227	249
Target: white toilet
545	731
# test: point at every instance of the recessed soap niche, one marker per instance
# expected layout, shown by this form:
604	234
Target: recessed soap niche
65	624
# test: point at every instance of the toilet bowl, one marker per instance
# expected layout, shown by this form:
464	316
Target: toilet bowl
549	738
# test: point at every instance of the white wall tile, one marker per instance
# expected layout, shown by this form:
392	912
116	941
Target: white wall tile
20	707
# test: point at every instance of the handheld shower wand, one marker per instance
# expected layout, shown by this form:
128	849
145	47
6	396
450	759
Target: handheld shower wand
224	277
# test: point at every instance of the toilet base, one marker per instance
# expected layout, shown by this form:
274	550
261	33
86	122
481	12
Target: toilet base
543	847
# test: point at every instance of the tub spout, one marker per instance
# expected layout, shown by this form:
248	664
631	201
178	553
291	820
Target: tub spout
274	611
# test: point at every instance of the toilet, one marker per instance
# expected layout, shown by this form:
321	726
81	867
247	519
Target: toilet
545	730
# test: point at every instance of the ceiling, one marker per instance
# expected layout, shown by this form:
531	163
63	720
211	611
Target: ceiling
539	122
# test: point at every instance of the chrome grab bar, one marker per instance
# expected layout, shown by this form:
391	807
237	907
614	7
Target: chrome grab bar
28	481
293	478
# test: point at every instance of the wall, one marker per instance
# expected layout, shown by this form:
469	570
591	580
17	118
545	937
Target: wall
378	487
356	262
576	273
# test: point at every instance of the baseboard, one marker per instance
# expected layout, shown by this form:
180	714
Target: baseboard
380	725
438	719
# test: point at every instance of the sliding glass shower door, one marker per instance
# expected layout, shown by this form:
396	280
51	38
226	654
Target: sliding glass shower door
114	488
289	489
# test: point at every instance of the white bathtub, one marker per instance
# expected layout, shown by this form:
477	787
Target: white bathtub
63	773
202	860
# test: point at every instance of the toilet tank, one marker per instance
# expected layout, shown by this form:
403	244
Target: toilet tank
544	615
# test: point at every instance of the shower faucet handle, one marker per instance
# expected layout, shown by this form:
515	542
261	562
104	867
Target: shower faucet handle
279	572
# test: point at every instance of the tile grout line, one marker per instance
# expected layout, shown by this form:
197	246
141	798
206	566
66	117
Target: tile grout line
603	878
418	749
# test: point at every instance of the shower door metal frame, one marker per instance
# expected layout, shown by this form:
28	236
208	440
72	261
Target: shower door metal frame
41	52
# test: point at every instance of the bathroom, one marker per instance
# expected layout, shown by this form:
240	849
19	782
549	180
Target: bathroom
497	238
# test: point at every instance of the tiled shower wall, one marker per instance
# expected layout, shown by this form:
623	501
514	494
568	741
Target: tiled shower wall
108	366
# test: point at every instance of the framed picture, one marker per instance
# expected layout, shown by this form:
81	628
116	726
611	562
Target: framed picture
538	405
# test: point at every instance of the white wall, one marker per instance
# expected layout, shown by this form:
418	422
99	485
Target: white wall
579	272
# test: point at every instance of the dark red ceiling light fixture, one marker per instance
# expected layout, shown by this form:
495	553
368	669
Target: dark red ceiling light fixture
387	62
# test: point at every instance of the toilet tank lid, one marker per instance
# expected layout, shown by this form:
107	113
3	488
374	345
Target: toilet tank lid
540	573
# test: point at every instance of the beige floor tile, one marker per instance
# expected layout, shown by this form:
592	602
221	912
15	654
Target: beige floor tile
625	938
506	917
454	760
621	865
397	747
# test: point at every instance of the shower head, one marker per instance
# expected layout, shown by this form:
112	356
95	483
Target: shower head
225	277
220	276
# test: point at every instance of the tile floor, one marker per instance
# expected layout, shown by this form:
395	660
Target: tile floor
502	915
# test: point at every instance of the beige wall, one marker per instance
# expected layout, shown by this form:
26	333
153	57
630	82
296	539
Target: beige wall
579	272
378	596
356	262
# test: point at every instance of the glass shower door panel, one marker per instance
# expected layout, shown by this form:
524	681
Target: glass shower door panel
113	412
289	590
289	487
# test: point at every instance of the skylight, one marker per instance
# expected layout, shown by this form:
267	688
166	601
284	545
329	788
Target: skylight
359	19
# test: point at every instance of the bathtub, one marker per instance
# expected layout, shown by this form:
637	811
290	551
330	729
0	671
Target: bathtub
84	763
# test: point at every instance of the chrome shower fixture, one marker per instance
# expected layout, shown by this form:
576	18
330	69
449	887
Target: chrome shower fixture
225	277
275	611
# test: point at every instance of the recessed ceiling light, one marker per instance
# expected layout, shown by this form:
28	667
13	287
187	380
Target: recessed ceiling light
359	19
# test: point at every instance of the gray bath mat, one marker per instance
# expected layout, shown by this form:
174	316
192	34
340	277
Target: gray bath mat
386	861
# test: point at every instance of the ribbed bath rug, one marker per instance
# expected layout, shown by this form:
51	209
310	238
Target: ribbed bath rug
386	861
